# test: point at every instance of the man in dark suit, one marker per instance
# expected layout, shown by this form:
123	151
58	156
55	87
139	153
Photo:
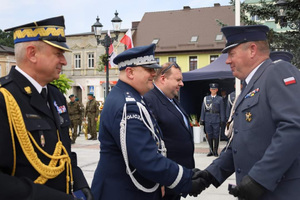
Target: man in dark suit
171	118
35	146
264	152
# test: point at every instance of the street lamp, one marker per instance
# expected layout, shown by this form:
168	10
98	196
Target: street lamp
107	41
281	12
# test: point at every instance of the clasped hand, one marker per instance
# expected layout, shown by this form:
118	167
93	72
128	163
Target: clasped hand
199	183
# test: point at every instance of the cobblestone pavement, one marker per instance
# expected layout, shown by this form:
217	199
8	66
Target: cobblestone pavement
88	156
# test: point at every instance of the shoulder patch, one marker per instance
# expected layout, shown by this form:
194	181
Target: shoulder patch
5	80
129	97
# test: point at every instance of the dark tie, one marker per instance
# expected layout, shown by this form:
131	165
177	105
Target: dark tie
244	85
44	94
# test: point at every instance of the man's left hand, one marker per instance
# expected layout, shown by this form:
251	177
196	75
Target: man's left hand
248	189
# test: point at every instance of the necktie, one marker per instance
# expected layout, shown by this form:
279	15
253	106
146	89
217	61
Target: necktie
44	94
244	85
184	118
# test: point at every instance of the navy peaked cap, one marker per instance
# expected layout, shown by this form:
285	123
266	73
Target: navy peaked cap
50	31
72	95
138	56
213	85
236	35
281	55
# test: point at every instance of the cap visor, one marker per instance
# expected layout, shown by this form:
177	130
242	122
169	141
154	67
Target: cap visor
59	45
225	50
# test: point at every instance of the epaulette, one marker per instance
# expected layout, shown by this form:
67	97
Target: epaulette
129	97
5	80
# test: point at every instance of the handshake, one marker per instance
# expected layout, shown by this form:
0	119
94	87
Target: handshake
200	181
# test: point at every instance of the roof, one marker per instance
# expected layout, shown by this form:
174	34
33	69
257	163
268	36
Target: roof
174	29
5	49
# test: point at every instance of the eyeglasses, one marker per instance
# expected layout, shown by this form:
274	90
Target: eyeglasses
169	67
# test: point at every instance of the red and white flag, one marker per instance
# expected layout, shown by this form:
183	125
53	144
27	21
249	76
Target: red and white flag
111	53
127	39
290	80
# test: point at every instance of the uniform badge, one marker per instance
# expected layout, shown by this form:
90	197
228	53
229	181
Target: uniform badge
289	81
27	89
248	116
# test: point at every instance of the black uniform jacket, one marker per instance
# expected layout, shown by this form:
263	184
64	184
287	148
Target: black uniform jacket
40	120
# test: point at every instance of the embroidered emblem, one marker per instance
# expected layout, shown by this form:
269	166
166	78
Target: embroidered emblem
252	93
248	116
289	81
28	90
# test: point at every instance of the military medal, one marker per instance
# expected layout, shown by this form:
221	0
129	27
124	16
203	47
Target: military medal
42	138
248	116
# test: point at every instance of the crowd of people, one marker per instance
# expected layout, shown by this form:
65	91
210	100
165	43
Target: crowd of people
145	136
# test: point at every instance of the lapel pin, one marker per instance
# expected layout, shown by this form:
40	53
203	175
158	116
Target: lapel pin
27	90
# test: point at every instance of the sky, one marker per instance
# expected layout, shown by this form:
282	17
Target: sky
81	15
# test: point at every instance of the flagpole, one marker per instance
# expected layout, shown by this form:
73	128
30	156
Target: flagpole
237	23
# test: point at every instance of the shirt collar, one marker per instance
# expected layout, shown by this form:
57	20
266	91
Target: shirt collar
249	77
37	86
171	100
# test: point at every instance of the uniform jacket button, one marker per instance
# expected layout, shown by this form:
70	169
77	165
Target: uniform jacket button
236	131
234	151
238	170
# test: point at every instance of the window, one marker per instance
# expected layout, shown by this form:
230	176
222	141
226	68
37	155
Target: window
77	61
172	59
255	18
157	60
193	62
213	58
194	38
91	60
155	41
219	37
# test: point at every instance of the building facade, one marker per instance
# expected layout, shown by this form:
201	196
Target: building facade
191	37
7	59
83	65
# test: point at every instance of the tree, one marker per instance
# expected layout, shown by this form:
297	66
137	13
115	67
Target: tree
63	83
6	39
289	40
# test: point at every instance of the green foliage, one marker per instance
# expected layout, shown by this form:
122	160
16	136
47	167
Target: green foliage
103	59
63	83
286	41
6	38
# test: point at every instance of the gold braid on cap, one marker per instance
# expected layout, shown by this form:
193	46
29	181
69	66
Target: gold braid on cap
60	159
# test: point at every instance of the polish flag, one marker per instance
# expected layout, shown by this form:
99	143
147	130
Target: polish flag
127	39
111	53
290	80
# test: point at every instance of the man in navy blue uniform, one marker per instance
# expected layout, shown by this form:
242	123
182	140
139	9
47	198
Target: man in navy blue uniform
35	146
264	152
212	117
171	118
132	158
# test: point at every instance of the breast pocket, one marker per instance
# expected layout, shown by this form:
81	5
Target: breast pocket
251	113
37	125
